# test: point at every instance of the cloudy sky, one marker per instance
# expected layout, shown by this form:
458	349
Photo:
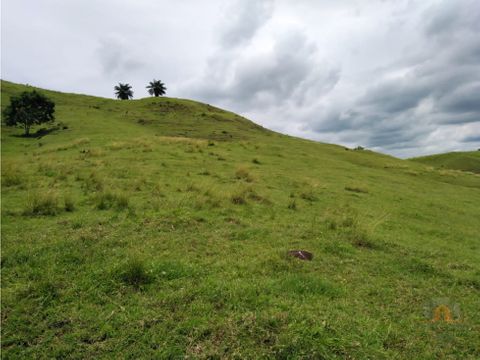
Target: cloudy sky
397	76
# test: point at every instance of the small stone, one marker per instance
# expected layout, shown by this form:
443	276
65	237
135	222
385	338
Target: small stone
301	254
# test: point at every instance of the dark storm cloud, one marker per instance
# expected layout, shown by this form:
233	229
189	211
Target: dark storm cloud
438	86
286	73
451	86
446	18
244	20
472	138
393	96
288	70
397	137
463	100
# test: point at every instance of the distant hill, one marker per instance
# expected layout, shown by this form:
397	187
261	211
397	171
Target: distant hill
160	228
465	161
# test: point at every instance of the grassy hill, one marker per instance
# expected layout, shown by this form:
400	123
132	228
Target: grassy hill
158	228
465	161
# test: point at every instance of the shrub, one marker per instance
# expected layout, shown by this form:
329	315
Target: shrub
252	195
118	145
92	152
359	238
81	141
139	184
417	266
157	190
347	222
201	199
213	202
241	195
108	199
11	176
94	182
356	189
134	273
192	188
42	204
292	205
308	195
242	173
239	199
144	144
47	168
69	203
204	173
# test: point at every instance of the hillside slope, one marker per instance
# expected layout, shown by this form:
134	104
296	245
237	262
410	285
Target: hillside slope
465	161
158	228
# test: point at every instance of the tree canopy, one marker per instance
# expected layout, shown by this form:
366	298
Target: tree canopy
27	109
123	91
156	88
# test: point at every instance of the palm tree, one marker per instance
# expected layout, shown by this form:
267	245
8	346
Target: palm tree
123	91
156	88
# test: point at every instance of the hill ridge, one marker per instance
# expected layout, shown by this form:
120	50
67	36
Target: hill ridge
455	160
145	229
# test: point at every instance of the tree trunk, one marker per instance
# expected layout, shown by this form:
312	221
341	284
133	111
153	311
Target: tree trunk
27	129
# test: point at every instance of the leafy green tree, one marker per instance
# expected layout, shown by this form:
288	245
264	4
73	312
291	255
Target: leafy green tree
123	91
27	109
156	88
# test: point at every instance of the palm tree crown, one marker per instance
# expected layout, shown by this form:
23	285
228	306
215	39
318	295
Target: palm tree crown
123	91
156	88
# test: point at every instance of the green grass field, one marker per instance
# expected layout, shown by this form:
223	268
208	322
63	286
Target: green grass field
464	161
158	228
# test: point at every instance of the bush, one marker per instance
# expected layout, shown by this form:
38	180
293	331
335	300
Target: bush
241	195
419	267
360	238
242	173
308	195
356	189
69	203
81	141
42	204
11	176
252	195
134	273
292	205
238	199
350	226
94	182
108	199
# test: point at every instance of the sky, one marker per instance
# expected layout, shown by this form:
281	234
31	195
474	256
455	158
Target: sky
400	77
